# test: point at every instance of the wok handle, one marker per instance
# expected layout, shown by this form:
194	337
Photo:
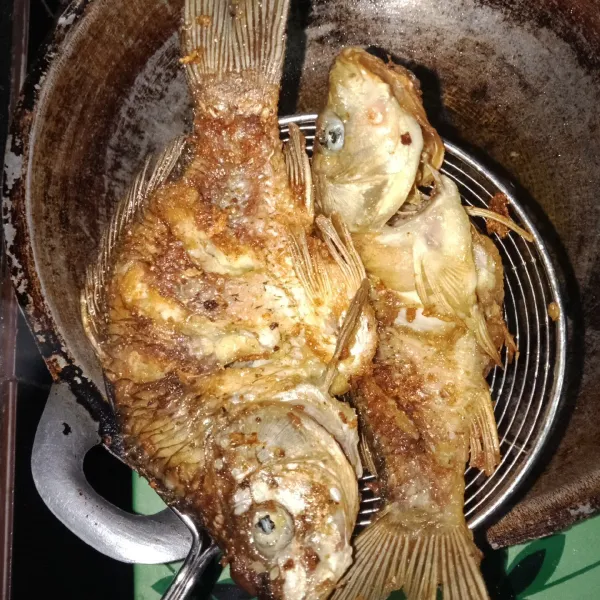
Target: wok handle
201	554
65	434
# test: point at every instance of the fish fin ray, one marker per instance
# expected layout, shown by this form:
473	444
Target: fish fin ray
483	434
312	275
219	37
298	168
93	296
366	455
342	249
412	560
346	331
477	324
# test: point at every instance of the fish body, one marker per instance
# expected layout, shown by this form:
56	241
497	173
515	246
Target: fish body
437	291
223	323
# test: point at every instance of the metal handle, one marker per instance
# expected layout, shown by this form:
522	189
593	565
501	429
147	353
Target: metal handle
65	434
196	562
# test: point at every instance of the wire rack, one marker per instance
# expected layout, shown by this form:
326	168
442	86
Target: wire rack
526	392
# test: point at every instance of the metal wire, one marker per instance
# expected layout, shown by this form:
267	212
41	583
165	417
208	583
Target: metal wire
526	391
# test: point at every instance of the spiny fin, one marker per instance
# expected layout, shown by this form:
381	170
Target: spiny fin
298	168
366	456
346	331
131	207
474	211
483	434
340	244
476	323
221	36
313	276
414	561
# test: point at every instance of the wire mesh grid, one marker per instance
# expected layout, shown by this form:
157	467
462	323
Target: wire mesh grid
526	391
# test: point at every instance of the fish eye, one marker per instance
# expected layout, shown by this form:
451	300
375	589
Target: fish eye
331	134
272	530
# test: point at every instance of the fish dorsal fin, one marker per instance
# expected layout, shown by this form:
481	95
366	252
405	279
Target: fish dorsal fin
483	433
298	169
221	36
415	559
93	298
346	331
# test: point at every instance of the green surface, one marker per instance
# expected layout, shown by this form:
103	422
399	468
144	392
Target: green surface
565	566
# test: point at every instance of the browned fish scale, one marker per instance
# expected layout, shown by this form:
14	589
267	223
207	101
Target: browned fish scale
224	324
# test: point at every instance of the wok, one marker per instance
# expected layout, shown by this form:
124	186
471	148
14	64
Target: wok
516	82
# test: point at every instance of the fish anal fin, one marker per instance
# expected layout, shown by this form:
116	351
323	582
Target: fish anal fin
477	324
298	169
414	560
221	37
93	296
483	434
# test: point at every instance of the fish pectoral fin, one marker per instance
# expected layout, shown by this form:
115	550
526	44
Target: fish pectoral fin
483	434
346	331
341	247
154	173
391	555
448	282
298	169
219	37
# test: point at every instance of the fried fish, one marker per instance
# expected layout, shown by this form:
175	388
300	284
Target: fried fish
437	290
224	324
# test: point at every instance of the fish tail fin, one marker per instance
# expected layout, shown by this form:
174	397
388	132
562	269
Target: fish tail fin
390	555
221	36
483	434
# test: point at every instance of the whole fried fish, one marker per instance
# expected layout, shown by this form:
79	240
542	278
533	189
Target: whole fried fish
224	324
437	290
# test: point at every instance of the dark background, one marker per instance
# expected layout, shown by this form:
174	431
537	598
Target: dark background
47	560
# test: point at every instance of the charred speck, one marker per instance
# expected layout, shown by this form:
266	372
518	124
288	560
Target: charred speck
273	325
210	304
66	429
406	139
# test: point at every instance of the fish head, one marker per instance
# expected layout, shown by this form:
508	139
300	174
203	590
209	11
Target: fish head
373	140
289	504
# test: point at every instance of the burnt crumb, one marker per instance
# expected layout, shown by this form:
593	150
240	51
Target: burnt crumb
66	429
288	564
275	348
311	558
273	326
210	304
406	139
258	419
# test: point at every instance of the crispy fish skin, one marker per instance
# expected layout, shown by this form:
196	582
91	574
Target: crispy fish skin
437	290
221	313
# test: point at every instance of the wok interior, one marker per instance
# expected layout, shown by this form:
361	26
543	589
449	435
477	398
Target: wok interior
496	79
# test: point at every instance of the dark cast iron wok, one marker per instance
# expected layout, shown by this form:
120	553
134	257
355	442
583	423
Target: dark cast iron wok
516	82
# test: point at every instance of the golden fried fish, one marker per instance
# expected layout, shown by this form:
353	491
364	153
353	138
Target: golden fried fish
437	290
224	323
